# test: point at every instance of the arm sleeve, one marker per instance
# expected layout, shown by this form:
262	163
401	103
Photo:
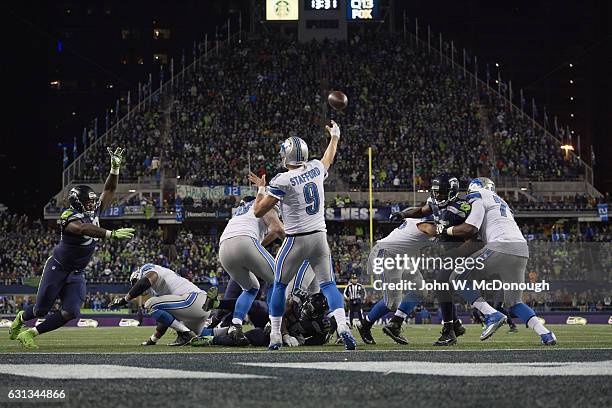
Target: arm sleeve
277	187
346	290
140	287
477	214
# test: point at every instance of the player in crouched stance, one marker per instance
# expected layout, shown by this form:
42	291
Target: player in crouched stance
176	302
301	194
505	253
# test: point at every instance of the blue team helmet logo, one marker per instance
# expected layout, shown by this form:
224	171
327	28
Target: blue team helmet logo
139	273
481	183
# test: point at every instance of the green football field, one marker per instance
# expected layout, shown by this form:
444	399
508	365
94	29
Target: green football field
127	339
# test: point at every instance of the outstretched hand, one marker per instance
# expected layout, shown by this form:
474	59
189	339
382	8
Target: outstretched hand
258	181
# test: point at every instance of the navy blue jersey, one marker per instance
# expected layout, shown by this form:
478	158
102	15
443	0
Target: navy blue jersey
454	214
75	251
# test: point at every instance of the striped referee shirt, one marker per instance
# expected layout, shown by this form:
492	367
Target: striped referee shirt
354	291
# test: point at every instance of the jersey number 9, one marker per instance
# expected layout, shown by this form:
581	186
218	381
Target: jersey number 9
311	196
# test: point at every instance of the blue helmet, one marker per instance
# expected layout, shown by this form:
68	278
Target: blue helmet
481	183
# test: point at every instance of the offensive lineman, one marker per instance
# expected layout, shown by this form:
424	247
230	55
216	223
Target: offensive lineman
176	302
244	258
505	253
63	275
301	193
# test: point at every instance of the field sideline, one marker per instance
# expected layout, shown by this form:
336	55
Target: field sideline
421	337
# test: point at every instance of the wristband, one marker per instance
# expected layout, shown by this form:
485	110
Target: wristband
109	233
449	231
261	190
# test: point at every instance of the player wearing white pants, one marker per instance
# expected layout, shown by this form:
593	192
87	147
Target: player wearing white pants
301	194
244	258
175	302
505	253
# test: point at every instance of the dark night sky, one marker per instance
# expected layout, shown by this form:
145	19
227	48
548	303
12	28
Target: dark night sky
532	40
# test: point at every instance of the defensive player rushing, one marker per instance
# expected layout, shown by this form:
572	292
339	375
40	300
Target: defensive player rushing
301	193
447	209
175	302
244	258
505	253
63	275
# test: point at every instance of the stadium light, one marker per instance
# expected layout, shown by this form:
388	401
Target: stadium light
497	64
523	188
131	190
571	81
571	98
572	115
567	148
571	65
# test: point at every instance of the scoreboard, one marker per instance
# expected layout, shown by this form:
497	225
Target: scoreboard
321	5
362	9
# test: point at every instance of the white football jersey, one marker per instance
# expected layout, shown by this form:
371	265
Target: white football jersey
244	223
302	197
407	236
170	283
495	222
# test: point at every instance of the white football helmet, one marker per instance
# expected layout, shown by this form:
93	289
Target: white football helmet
481	183
139	273
294	151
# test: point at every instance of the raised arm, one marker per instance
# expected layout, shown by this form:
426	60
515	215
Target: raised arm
113	178
330	152
263	202
93	231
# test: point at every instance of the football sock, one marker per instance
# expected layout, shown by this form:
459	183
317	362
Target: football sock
400	314
277	302
446	308
275	322
535	324
55	321
484	307
269	291
334	298
179	326
28	313
523	312
454	311
378	311
340	316
410	301
243	304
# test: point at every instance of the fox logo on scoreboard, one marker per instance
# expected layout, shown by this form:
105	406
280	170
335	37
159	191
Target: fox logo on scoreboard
362	9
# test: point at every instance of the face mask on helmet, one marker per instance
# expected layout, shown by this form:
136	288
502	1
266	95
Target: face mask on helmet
481	183
82	199
314	307
444	190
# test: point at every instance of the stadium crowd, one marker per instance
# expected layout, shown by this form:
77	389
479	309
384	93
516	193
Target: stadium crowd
231	113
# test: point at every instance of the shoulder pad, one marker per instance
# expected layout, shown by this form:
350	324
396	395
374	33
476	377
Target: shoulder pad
466	207
473	196
66	214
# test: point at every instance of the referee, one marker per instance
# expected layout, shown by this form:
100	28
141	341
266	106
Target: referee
354	293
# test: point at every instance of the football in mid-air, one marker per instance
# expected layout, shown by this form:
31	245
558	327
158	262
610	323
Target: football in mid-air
337	100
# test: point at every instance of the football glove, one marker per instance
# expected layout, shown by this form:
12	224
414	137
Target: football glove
396	216
117	303
441	229
290	341
334	130
116	159
123	233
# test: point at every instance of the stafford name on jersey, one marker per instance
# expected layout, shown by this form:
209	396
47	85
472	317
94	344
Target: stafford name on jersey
305	177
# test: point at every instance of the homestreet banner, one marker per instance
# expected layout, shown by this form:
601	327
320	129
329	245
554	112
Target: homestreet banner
357	213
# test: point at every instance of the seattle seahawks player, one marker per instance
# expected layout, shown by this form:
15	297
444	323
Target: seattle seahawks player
243	255
447	209
505	253
176	302
301	193
63	275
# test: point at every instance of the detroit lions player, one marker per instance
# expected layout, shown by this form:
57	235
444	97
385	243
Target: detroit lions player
408	239
63	275
505	253
447	209
176	302
300	191
244	258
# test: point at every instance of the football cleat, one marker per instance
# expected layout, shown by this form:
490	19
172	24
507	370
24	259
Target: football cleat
493	322
276	342
235	332
16	326
365	331
548	339
458	328
448	335
182	339
513	329
393	329
26	338
149	342
202	341
211	301
348	339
